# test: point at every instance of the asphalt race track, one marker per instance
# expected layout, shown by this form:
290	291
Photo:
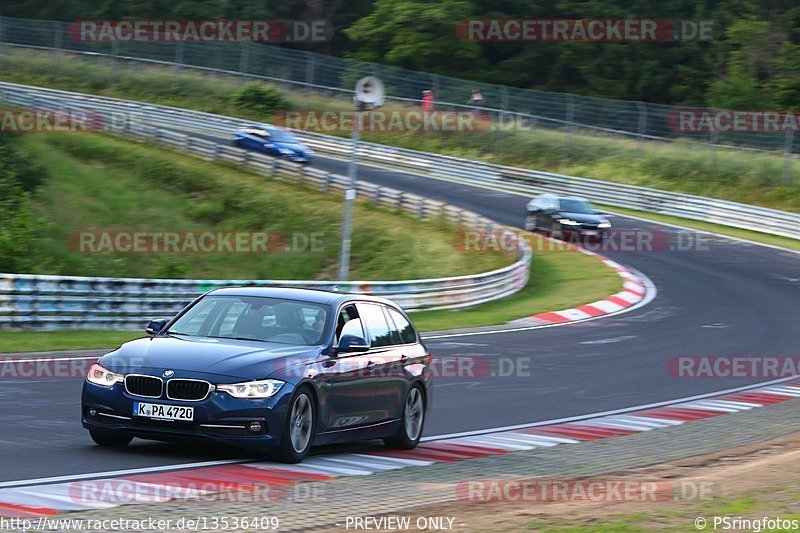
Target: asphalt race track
722	298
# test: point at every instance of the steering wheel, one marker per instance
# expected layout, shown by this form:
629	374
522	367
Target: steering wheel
292	338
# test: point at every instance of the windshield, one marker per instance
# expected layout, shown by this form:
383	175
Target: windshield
254	318
575	206
280	136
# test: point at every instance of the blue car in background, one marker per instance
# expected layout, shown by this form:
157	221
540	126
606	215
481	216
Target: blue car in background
274	141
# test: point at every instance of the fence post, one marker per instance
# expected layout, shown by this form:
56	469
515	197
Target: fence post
642	126
244	61
57	36
114	54
501	120
570	118
310	65
712	149
787	156
274	169
177	63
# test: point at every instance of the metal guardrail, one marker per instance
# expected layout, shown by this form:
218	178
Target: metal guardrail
61	302
524	181
532	182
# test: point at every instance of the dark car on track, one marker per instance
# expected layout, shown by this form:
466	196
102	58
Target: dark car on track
268	369
559	216
274	141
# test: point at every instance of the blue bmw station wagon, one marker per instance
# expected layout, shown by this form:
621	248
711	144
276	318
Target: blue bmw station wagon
273	370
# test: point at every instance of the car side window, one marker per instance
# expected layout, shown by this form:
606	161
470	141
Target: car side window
404	327
349	323
377	327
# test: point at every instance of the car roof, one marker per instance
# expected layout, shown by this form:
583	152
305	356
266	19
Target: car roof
267	127
557	197
305	295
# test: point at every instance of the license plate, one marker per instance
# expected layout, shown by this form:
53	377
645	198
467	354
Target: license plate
590	233
158	411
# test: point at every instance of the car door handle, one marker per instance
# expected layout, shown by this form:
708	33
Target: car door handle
371	364
329	363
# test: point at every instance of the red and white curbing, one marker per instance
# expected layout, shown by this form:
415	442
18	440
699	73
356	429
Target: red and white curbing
634	290
275	480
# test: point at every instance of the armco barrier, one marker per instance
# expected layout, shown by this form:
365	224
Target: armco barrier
61	302
142	115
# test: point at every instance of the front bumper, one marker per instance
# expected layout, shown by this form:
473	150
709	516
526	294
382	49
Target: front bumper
585	231
219	417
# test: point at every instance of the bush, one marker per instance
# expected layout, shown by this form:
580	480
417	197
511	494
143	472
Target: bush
260	100
20	227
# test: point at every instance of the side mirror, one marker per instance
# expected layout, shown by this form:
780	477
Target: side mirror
155	326
352	344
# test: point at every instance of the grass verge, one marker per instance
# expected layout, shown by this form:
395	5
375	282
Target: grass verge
687	167
559	279
95	183
82	339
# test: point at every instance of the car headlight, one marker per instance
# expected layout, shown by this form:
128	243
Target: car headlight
604	224
568	222
265	388
286	151
100	376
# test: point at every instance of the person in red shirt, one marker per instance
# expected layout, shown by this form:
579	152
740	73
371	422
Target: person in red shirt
427	101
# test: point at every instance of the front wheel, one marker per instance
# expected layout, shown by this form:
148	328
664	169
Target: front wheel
108	439
530	223
555	231
411	422
298	428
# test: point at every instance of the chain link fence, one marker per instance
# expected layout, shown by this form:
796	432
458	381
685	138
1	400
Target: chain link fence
508	107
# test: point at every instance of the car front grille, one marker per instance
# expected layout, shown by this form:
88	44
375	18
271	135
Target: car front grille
147	386
187	389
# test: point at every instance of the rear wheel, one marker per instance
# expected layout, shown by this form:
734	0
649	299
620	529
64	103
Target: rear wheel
298	428
411	422
108	439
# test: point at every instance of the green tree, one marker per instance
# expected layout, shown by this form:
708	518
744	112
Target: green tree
417	34
787	81
750	67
